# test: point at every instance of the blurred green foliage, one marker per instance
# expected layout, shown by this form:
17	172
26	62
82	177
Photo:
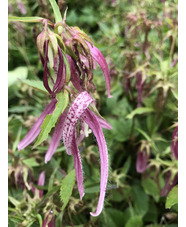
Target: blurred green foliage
136	37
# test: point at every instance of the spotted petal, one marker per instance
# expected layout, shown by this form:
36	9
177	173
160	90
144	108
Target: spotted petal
77	108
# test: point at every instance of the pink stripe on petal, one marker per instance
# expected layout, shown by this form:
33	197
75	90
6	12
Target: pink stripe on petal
99	58
56	137
90	118
77	108
35	130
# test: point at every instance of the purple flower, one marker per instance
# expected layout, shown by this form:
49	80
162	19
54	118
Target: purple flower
142	158
21	7
49	220
169	183
41	182
174	144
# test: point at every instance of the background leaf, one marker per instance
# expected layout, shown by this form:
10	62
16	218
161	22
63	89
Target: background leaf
66	188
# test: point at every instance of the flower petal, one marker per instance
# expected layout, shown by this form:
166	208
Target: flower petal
74	75
35	130
90	118
77	108
56	137
78	167
103	123
142	159
99	58
41	182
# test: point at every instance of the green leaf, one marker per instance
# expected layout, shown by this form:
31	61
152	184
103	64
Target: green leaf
139	110
172	198
151	188
18	73
134	221
140	199
26	19
66	188
57	14
31	162
126	166
51	119
37	84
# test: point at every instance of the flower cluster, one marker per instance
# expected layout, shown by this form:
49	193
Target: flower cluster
69	57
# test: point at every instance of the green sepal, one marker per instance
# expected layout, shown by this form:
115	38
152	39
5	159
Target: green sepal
57	14
51	119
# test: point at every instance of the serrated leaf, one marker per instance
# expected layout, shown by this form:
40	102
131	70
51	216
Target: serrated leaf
66	188
151	188
172	198
37	84
18	73
139	110
51	119
26	19
57	14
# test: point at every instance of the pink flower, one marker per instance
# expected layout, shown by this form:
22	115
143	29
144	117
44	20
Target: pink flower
143	155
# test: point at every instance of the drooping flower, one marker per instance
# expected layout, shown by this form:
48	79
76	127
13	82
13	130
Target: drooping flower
170	182
41	182
143	155
68	55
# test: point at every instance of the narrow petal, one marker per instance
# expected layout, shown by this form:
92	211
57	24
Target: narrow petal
90	118
61	75
35	130
77	108
74	75
103	123
41	182
99	58
56	137
78	167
